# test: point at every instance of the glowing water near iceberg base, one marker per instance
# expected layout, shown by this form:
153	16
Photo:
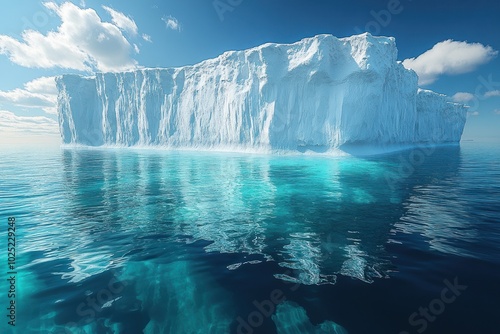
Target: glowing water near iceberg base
114	241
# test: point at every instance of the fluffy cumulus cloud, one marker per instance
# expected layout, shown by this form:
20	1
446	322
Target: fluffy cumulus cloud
9	122
172	23
38	93
462	97
82	42
449	57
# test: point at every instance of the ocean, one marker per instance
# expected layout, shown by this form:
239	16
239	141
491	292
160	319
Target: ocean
151	241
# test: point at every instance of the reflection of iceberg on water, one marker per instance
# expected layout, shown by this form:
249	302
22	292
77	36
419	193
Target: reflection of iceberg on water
356	265
303	256
297	212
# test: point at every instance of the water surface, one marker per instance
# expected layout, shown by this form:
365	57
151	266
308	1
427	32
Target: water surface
132	241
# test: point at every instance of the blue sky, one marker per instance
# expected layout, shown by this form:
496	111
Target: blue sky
452	45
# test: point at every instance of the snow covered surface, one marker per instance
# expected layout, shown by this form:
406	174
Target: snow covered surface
321	94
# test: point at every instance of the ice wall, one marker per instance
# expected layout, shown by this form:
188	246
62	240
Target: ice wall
318	94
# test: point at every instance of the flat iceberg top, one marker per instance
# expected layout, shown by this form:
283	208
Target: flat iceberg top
318	94
358	43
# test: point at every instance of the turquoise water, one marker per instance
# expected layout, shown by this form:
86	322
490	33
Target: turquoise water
132	241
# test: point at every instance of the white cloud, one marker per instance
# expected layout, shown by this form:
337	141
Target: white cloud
9	122
473	113
136	49
449	57
172	23
82	42
122	21
147	38
42	85
462	97
492	93
24	98
38	93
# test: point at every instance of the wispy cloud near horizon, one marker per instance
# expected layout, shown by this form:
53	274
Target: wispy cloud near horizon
10	122
38	93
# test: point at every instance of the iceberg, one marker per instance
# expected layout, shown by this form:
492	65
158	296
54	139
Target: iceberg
320	94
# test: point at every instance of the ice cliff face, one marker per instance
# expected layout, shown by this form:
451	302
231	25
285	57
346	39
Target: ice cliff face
318	94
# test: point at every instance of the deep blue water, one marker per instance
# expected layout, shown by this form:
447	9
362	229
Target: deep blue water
131	241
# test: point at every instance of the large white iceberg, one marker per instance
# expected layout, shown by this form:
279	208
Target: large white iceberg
320	94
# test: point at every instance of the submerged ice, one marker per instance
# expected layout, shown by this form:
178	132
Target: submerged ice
319	94
290	318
